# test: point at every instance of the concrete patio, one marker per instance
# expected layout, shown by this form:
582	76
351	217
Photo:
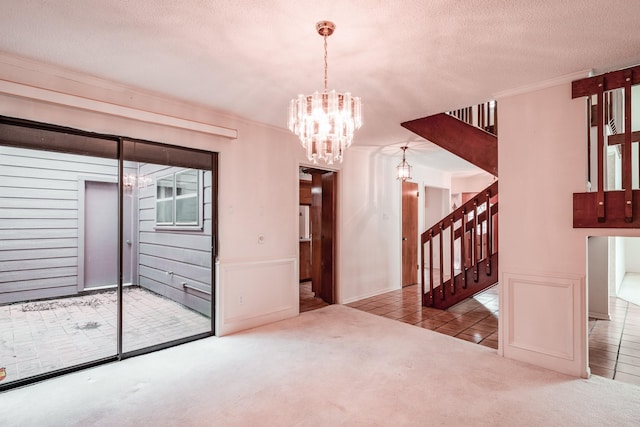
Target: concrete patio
42	336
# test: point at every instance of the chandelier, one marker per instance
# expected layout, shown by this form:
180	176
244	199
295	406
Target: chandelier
404	168
325	121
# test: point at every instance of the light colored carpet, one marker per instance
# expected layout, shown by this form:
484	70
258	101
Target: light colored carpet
630	288
336	366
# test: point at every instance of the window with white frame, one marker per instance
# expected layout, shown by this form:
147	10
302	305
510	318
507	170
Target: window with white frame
179	199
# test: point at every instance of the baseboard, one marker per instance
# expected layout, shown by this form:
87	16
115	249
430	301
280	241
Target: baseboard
599	316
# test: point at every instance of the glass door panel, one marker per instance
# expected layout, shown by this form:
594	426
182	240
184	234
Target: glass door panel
58	261
170	297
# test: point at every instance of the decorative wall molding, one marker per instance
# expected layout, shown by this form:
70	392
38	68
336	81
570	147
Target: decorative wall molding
543	313
253	293
566	79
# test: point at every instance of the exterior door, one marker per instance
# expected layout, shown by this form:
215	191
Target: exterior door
409	233
100	234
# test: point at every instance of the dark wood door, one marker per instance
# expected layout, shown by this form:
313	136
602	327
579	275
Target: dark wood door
323	234
328	236
409	233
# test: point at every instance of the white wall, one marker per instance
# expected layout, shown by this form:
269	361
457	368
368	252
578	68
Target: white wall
598	276
369	215
471	184
541	156
620	267
632	254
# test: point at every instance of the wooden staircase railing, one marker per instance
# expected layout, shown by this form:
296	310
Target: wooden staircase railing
483	116
460	253
609	101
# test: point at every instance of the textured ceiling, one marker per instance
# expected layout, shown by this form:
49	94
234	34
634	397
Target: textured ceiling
406	59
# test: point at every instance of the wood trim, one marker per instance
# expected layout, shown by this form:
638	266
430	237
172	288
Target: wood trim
600	208
611	80
584	210
627	179
620	138
305	192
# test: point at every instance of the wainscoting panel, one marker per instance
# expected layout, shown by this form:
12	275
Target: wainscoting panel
543	317
255	293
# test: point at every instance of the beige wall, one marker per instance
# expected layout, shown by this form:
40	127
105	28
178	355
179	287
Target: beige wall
541	155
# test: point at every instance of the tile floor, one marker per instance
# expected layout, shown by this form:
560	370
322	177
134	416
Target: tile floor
474	320
308	300
614	345
43	336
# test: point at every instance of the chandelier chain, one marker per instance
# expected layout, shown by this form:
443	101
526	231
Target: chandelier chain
325	61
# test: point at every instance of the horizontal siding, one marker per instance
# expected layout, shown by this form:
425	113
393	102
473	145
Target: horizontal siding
16	266
202	306
22	203
10	234
40	273
39	213
20	244
184	240
29	254
38	223
38	193
184	255
187	272
37	284
41	183
39	220
36	294
58	175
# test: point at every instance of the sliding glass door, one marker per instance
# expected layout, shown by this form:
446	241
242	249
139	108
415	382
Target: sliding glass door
106	248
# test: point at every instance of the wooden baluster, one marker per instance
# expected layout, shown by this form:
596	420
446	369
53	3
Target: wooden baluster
495	119
601	159
451	250
430	267
489	234
423	283
441	261
463	252
589	121
626	167
474	230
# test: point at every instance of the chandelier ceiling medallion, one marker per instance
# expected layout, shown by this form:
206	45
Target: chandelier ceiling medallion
325	121
404	168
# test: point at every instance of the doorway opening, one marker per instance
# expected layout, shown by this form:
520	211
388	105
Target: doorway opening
410	263
317	237
613	283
